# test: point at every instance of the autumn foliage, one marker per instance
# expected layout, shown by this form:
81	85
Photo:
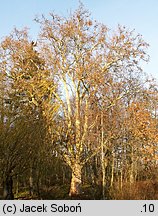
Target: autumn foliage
78	116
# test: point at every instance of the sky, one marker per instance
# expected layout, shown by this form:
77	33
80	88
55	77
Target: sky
141	15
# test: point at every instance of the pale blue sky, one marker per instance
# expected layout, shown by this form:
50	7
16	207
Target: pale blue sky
139	14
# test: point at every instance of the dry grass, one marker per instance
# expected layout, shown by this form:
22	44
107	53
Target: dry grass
142	190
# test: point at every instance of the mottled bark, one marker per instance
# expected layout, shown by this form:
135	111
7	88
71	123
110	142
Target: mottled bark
75	188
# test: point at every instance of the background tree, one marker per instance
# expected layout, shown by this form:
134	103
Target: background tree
29	101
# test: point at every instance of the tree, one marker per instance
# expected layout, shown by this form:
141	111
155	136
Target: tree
89	62
29	103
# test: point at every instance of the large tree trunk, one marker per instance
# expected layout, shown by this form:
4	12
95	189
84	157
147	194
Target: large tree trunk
75	188
8	188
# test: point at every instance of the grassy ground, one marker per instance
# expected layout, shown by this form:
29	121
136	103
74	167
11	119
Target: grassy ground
142	190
